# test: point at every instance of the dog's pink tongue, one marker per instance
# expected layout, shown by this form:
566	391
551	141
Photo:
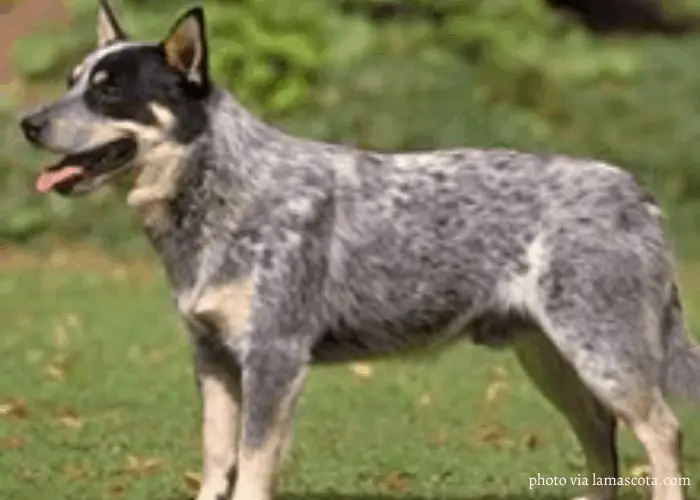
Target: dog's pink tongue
49	178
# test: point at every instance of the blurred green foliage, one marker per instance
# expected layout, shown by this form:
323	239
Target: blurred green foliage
402	74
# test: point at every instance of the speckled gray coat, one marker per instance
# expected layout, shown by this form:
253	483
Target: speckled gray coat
283	252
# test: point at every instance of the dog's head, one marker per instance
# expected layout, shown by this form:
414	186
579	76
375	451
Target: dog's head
126	102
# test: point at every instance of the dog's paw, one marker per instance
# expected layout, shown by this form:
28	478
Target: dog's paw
213	492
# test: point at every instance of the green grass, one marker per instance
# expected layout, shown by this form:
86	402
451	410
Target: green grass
99	403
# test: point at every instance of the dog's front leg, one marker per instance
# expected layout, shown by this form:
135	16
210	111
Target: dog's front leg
220	388
272	380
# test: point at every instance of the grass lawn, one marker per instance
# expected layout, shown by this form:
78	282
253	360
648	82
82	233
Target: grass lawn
97	401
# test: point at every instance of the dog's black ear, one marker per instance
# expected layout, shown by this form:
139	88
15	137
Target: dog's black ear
185	48
108	28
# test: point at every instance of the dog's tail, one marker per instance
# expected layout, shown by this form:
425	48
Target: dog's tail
681	376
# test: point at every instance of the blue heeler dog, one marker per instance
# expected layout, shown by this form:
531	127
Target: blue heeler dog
282	252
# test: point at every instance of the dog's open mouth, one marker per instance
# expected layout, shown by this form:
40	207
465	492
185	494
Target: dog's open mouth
72	169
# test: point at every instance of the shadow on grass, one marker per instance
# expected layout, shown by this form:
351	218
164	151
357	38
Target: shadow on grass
623	495
373	496
379	496
330	495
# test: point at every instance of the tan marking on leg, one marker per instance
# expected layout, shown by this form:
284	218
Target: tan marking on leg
658	431
220	432
257	468
227	306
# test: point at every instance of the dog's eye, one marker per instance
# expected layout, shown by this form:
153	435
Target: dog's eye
104	85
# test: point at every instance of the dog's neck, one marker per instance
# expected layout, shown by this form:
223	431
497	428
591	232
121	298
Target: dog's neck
230	131
205	187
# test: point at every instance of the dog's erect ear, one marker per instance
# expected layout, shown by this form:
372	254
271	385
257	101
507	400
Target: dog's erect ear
186	48
108	28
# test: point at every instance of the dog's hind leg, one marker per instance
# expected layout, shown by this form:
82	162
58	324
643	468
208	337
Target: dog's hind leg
657	429
593	424
603	322
631	391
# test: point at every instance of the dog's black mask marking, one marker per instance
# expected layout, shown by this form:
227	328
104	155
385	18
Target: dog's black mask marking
139	77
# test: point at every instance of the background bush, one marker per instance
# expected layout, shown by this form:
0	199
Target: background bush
403	74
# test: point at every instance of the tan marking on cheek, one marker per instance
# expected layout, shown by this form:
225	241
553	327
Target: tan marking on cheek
102	134
163	115
142	133
228	306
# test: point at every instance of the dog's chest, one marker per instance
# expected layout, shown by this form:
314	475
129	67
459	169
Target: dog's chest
221	309
210	272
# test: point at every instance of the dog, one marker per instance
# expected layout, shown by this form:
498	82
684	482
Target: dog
283	252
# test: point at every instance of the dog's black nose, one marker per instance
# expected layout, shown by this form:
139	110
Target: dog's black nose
33	126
